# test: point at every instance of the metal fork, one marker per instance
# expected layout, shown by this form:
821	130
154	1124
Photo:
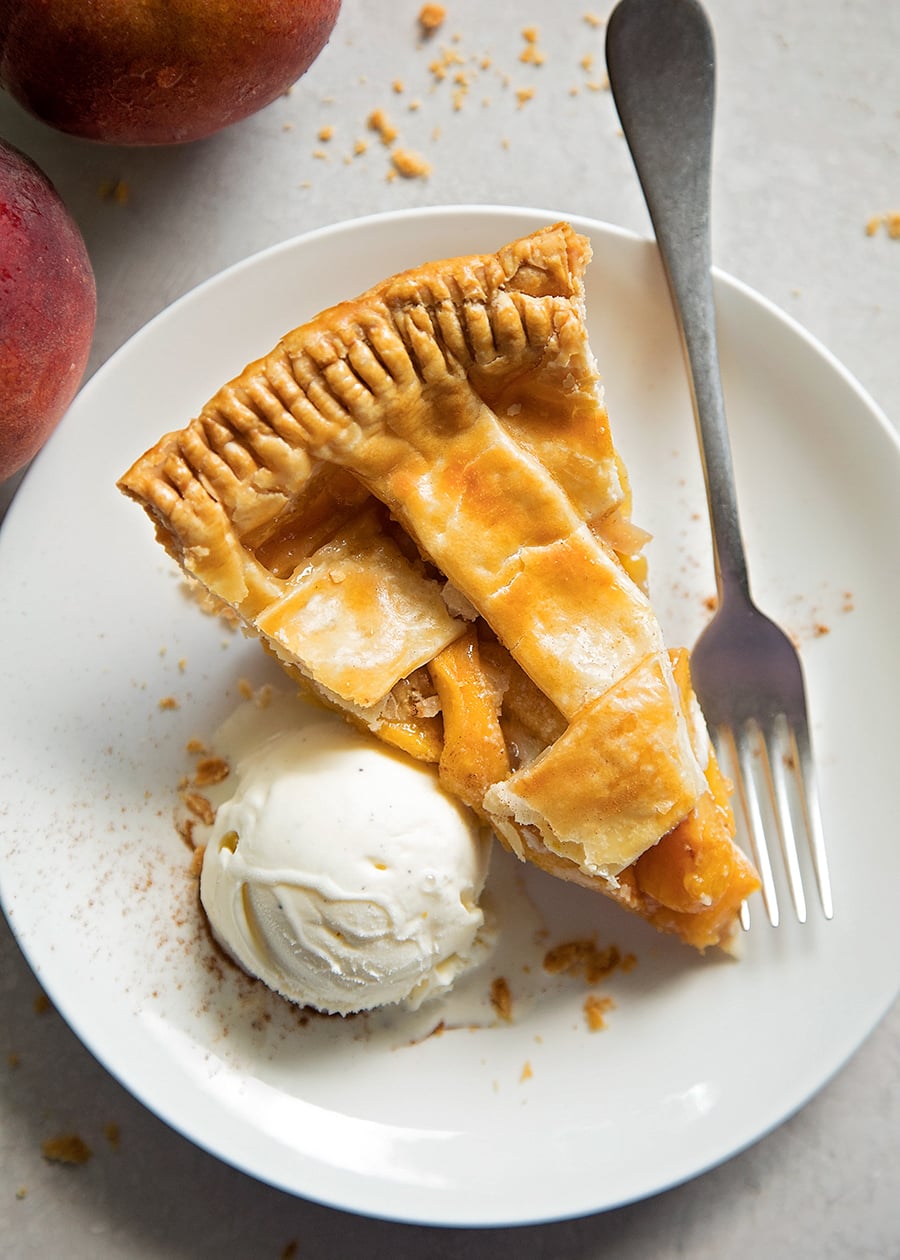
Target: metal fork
746	672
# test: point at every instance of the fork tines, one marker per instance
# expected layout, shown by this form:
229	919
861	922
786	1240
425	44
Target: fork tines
775	788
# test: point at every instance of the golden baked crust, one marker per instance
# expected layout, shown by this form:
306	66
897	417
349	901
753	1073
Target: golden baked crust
622	762
416	502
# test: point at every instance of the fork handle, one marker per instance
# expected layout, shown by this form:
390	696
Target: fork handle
661	65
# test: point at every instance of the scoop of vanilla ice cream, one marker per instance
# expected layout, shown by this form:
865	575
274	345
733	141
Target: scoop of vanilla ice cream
342	875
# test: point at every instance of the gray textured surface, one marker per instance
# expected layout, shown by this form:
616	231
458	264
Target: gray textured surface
806	154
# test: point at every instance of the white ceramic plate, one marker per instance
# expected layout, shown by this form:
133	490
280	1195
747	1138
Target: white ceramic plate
700	1057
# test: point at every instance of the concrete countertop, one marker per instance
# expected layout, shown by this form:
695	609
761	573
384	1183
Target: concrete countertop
806	157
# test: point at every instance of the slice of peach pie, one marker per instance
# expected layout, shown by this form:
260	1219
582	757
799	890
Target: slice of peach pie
416	504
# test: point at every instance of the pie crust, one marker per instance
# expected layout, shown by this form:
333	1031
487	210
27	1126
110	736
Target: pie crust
415	502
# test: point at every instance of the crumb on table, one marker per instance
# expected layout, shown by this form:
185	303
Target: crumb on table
379	122
410	165
889	221
431	17
67	1148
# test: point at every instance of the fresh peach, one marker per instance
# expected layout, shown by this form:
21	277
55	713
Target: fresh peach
48	305
156	71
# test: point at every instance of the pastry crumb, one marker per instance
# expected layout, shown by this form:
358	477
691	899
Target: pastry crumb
185	829
874	224
582	957
527	1072
531	54
595	1010
116	190
67	1148
200	807
431	17
501	998
210	770
523	95
410	165
890	221
168	702
326	133
379	122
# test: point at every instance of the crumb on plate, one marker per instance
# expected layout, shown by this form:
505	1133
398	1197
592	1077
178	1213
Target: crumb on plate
200	807
584	957
501	998
210	770
595	1010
